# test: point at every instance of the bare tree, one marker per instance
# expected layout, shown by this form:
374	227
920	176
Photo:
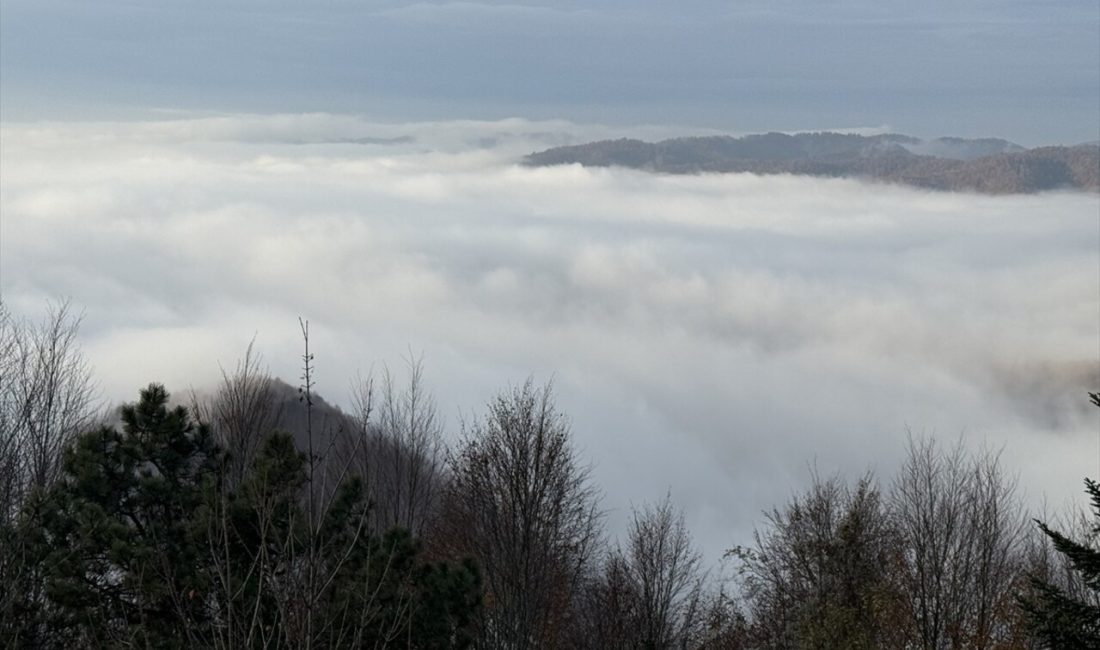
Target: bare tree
398	449
648	595
47	396
242	412
607	608
521	505
998	530
724	625
664	568
11	470
963	529
820	574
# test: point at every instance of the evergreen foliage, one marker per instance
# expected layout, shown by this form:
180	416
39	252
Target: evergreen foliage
1058	619
141	543
117	535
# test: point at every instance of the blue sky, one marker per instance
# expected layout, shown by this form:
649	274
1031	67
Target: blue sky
1028	71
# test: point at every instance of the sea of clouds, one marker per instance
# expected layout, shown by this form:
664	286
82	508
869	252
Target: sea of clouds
715	335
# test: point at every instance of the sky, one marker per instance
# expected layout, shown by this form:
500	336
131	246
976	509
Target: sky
197	175
1028	71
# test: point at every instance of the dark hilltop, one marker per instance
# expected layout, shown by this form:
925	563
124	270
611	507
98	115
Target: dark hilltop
988	165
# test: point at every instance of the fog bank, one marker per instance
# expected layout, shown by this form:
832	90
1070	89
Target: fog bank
714	334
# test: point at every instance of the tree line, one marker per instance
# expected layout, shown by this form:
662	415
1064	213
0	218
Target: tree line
259	516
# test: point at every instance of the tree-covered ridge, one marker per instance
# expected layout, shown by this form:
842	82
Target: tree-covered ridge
260	517
982	165
142	542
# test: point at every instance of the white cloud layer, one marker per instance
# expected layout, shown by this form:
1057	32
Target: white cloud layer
712	334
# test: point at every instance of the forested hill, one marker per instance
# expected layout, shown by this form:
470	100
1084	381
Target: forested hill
991	166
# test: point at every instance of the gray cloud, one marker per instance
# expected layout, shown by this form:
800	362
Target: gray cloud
715	334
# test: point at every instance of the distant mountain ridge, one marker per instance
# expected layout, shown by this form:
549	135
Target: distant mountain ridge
987	165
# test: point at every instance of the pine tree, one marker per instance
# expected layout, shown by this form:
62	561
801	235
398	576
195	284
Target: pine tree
1056	618
141	542
121	554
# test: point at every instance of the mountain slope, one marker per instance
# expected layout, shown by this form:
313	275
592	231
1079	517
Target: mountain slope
988	165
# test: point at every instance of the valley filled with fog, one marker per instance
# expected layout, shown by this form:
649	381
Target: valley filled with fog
715	335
